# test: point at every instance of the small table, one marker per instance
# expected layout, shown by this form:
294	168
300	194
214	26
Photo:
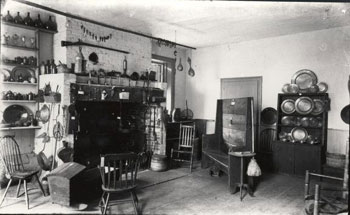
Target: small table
243	185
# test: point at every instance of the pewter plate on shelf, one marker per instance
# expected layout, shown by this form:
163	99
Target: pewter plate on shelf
285	88
23	71
304	105
293	88
15	113
318	107
322	87
304	79
6	73
288	106
287	120
299	134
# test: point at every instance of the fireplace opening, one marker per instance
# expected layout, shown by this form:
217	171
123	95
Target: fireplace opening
107	127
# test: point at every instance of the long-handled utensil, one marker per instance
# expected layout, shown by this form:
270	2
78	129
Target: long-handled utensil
190	71
64	109
57	134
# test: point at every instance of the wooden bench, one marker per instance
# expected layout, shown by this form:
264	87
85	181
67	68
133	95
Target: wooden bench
233	132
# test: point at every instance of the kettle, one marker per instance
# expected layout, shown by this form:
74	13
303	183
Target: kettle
62	68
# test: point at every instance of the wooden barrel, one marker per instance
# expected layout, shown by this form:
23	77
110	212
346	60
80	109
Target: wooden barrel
335	160
158	163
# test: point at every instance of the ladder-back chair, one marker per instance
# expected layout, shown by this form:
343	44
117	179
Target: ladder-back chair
328	198
11	157
186	144
118	174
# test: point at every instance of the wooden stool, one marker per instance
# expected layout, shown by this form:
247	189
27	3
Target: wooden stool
243	185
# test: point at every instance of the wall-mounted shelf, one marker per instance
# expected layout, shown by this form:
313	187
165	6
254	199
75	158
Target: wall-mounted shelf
19	83
80	43
18	101
19	47
20	128
16	64
28	27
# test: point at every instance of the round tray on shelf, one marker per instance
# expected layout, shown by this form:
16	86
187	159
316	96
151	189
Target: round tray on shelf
288	106
319	107
304	105
299	134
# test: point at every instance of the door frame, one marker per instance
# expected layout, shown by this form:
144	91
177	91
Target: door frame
171	62
259	80
259	93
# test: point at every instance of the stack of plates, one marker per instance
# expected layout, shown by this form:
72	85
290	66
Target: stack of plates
305	81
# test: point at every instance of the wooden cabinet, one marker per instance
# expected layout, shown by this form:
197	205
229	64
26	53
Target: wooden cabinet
283	157
301	135
296	158
315	122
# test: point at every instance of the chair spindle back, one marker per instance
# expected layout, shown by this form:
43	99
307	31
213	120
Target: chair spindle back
187	133
10	154
119	171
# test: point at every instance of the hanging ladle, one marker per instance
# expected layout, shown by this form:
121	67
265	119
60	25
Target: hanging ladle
190	71
180	67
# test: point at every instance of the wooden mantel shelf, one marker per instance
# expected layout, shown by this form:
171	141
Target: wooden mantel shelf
19	128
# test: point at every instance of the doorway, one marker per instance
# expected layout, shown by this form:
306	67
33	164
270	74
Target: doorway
245	87
165	72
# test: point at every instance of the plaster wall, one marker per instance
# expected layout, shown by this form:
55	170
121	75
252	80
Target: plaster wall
276	60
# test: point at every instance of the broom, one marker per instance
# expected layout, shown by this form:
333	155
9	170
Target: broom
253	167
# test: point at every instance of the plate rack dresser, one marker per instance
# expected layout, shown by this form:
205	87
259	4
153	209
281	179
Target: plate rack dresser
295	157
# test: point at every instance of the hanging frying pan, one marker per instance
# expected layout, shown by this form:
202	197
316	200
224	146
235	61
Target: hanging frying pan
345	114
269	116
43	161
44	114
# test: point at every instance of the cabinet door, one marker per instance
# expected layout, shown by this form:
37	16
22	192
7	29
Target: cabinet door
283	157
307	157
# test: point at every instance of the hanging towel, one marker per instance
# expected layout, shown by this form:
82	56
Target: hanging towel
253	168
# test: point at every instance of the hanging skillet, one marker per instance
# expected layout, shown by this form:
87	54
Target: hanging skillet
190	71
43	161
345	114
44	114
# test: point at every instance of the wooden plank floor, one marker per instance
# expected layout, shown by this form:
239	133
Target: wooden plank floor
196	193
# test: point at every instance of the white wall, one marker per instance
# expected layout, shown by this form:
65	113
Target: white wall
276	60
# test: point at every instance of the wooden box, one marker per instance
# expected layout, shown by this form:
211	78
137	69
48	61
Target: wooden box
63	183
